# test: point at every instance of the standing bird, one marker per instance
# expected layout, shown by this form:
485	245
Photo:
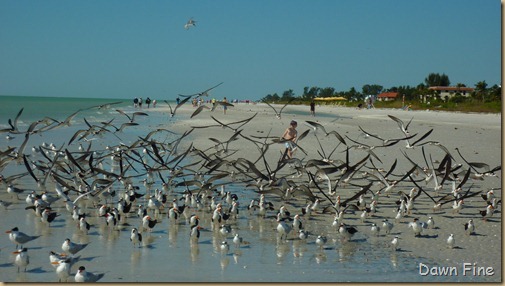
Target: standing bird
135	237
71	247
237	240
63	267
451	241
487	213
302	234
22	259
375	229
430	223
224	247
321	241
84	226
20	238
48	216
346	232
149	223
470	227
387	226
194	233
283	229
395	242
416	226
87	277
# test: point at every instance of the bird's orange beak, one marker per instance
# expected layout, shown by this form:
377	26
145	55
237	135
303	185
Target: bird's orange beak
55	262
16	252
8	231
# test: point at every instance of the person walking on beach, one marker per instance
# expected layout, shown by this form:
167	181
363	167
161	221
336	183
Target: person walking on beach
135	102
290	136
140	102
177	100
154	103
148	102
312	108
224	105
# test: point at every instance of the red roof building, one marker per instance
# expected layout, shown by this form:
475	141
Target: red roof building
387	96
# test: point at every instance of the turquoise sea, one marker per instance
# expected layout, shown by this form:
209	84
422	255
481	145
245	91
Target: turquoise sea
167	255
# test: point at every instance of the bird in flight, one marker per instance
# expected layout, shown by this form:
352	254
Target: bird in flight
190	23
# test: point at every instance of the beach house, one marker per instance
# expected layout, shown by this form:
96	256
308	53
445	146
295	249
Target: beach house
387	96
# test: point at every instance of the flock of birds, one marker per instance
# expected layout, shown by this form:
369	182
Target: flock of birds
140	185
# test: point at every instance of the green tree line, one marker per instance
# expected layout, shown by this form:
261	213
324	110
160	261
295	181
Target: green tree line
482	93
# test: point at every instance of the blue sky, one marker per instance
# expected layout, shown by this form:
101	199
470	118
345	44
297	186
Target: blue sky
124	49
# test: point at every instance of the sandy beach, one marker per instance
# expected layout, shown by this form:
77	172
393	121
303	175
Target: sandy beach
478	137
474	258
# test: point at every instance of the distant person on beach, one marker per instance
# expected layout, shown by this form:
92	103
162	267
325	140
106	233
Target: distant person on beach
213	104
154	103
177	100
290	136
224	105
135	102
148	102
140	102
312	108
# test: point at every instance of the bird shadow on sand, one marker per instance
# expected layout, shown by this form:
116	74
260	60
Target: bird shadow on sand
457	247
428	236
403	250
6	265
88	258
37	270
205	242
58	225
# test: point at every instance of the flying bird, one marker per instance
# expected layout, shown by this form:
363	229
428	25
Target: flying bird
190	23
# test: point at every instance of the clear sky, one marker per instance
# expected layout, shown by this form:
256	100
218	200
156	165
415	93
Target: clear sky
124	49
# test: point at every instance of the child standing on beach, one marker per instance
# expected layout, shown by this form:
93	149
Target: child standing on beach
290	136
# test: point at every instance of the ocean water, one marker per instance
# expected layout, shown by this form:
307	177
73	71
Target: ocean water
166	254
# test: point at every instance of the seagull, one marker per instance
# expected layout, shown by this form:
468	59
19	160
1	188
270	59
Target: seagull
237	240
451	241
190	23
395	242
430	223
375	229
87	277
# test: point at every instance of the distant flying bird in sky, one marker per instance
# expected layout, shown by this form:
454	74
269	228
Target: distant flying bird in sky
190	23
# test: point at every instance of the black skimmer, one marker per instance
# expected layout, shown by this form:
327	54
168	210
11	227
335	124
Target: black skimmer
470	227
135	237
346	232
148	223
